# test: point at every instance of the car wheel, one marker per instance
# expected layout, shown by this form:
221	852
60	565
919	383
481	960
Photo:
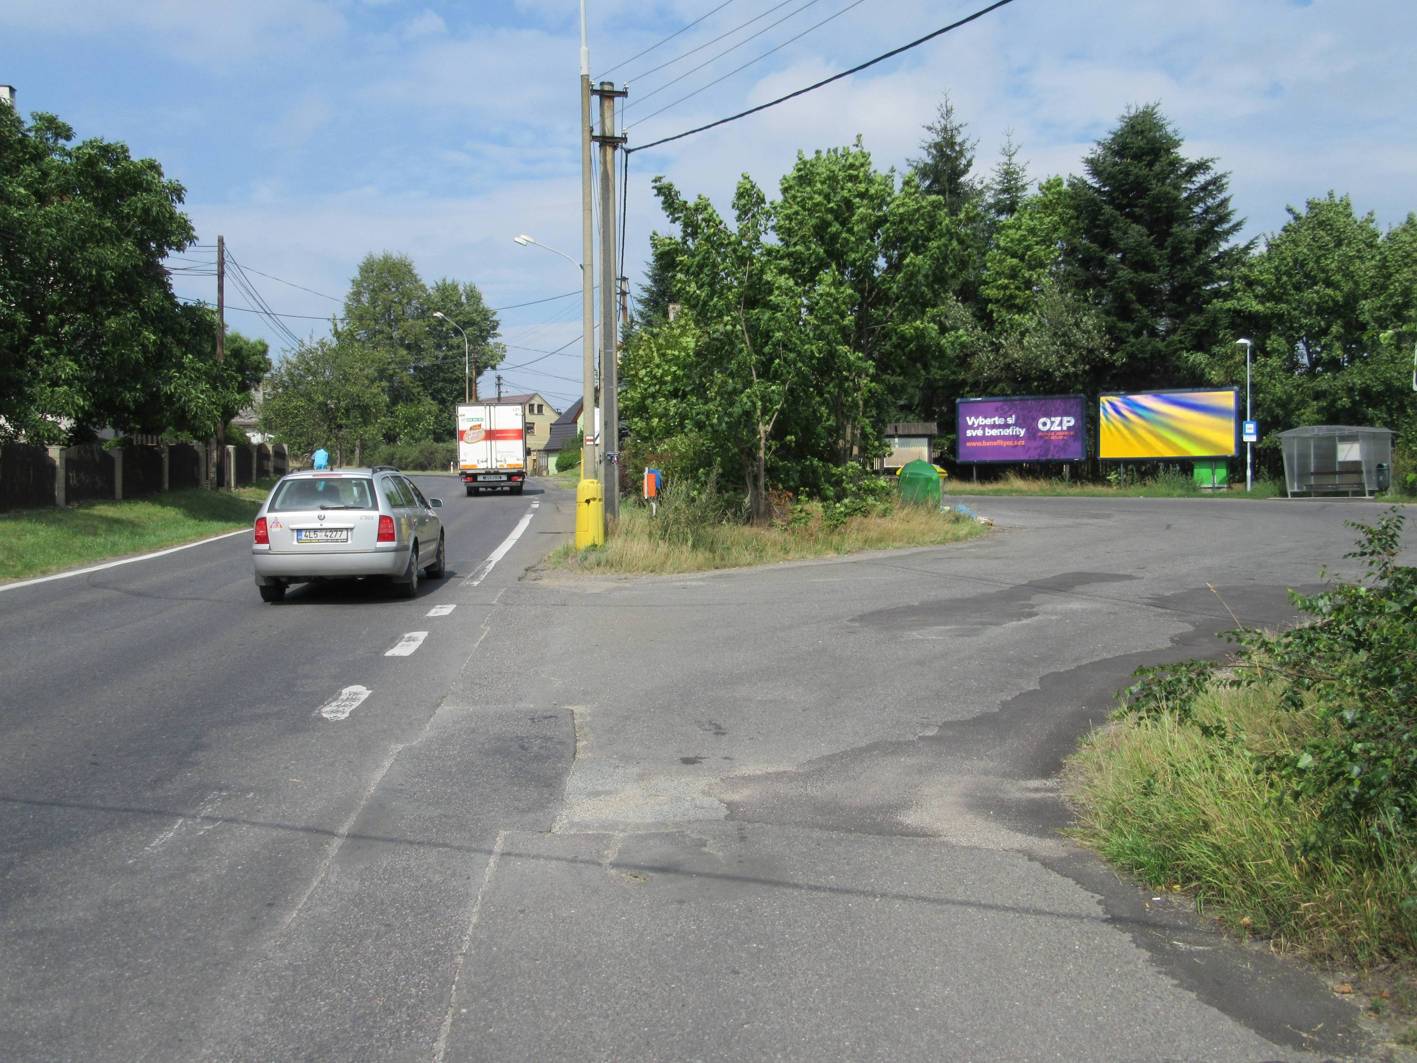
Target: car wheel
438	569
408	583
272	592
517	490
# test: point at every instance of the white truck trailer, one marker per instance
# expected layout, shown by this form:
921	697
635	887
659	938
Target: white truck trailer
491	446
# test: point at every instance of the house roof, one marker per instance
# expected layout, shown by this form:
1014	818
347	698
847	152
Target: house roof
563	429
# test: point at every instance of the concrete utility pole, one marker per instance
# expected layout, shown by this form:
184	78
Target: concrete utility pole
499	387
590	463
221	333
609	370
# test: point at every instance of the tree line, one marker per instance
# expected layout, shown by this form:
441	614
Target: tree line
771	347
92	335
383	386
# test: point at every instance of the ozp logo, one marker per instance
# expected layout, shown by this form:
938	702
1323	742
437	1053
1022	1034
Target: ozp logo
1056	424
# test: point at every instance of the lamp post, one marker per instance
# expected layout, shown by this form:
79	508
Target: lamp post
1391	335
527	241
469	388
1249	447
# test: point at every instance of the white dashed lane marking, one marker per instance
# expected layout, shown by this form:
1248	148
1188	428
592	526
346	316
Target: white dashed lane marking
407	644
441	610
349	699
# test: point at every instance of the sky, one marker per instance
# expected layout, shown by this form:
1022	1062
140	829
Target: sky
311	133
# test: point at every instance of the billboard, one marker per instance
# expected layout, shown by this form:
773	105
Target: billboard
1020	428
1141	426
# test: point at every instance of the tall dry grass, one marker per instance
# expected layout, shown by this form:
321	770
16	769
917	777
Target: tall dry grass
1186	803
704	537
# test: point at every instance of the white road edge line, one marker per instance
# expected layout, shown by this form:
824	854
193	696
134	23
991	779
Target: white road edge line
349	699
441	610
406	645
124	561
496	555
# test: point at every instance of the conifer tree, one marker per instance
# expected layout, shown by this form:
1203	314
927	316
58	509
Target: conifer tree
1153	249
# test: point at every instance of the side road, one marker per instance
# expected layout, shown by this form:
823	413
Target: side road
812	811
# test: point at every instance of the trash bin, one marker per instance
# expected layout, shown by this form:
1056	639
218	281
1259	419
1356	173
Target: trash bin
920	484
1211	475
1382	477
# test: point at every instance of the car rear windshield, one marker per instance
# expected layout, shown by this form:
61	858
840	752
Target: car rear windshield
333	492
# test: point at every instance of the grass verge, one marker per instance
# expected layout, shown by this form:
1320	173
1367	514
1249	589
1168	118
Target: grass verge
642	543
1166	486
1169	799
38	542
1281	790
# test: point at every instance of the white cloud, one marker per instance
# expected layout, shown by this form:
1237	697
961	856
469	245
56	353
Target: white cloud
425	24
214	32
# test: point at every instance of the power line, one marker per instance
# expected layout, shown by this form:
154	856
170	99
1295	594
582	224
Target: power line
664	40
750	62
827	81
534	302
302	287
709	44
734	48
250	310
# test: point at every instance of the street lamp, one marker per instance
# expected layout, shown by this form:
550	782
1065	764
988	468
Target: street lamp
467	385
1249	447
527	241
1391	334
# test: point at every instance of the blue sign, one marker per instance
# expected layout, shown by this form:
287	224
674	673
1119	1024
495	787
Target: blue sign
1250	431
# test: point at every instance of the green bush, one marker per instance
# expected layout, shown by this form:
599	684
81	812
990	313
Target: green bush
1354	665
422	455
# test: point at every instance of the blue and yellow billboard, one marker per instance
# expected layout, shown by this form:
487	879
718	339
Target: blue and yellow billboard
1143	426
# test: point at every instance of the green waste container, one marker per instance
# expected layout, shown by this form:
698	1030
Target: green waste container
920	484
1212	475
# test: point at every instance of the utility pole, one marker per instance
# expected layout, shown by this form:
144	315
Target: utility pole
499	387
590	463
221	334
609	370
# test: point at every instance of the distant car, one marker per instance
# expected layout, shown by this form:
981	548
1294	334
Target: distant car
347	524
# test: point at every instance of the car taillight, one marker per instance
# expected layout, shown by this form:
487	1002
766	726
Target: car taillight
263	536
386	529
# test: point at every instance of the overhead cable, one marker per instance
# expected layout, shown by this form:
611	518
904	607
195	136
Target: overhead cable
664	40
826	81
733	48
710	44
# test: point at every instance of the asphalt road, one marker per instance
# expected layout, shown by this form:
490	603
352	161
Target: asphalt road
805	812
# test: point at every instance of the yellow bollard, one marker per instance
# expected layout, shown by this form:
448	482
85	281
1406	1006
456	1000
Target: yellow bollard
590	514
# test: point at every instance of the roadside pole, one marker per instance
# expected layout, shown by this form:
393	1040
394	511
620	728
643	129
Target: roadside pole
609	375
220	336
590	509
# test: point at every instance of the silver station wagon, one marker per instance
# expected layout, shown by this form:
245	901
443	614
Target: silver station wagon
347	524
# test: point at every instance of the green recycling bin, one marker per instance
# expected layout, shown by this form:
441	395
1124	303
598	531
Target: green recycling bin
1212	475
920	484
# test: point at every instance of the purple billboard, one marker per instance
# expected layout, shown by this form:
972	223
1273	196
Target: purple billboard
1023	428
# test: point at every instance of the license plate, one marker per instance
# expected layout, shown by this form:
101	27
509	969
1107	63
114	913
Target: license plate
322	535
494	477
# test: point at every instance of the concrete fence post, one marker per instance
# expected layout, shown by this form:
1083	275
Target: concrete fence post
231	465
118	473
166	468
61	474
